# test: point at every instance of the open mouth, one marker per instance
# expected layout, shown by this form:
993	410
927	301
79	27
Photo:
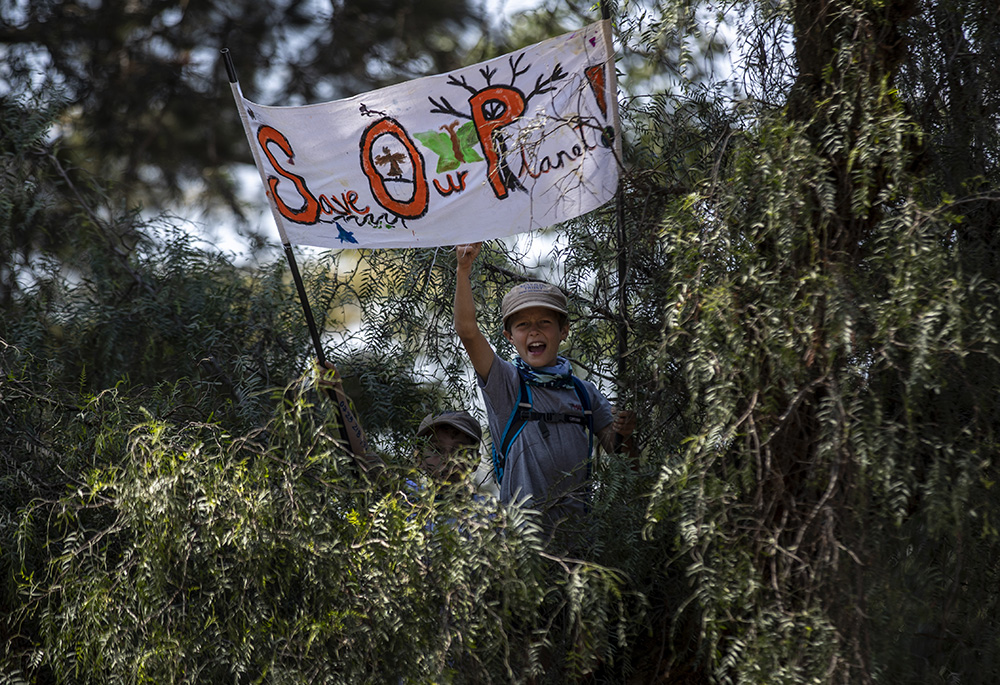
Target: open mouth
536	348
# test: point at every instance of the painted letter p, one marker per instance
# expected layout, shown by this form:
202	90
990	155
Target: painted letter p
505	105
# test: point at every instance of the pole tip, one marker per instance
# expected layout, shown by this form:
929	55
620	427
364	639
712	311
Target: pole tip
230	68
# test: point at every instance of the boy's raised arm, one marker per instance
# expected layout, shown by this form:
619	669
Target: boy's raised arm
476	345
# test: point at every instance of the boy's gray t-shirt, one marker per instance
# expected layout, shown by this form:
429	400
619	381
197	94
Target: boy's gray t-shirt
548	471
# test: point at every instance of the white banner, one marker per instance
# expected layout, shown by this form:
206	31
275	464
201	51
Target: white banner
517	143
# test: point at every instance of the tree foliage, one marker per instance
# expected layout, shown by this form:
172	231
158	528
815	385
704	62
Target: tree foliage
840	354
146	102
267	557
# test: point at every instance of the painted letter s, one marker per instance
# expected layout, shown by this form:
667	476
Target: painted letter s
309	212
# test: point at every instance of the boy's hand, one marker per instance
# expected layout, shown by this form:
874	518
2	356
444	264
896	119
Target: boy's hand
623	422
467	254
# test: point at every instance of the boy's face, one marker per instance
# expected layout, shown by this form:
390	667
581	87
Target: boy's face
536	335
446	453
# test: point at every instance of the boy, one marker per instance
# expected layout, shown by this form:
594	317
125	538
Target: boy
547	462
451	445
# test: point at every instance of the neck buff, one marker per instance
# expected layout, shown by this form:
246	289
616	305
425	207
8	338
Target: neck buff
558	376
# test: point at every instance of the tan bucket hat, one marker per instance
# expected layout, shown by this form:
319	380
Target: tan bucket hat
533	294
462	420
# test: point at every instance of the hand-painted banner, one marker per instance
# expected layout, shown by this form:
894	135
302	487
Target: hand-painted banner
519	142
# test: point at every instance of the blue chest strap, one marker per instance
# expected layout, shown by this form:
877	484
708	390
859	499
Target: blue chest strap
525	411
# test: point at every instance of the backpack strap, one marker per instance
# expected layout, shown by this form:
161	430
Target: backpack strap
524	412
518	417
584	396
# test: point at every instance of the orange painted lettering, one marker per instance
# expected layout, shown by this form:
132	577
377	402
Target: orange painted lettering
505	105
413	208
453	186
308	213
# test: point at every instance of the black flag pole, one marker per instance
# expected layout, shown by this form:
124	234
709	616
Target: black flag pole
351	429
622	332
289	255
622	335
